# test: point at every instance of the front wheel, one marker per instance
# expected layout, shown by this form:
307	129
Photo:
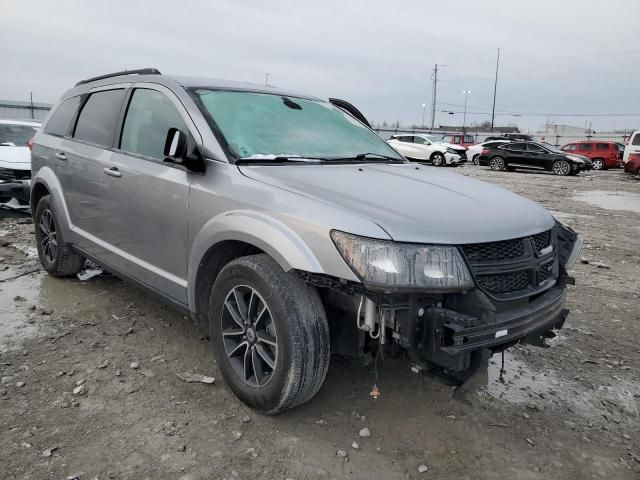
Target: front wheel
437	159
56	256
561	167
496	163
270	334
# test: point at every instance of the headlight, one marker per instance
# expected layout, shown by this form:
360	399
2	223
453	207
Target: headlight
451	150
387	265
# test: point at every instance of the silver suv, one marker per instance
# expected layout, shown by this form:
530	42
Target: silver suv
289	230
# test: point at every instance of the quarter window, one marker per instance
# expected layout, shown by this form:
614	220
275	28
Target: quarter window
98	118
61	118
570	148
149	117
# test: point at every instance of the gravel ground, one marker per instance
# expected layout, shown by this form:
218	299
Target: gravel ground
90	385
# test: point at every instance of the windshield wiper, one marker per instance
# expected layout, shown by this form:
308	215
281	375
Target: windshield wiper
279	159
369	156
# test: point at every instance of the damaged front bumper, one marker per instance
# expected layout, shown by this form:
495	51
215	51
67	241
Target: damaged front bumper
17	189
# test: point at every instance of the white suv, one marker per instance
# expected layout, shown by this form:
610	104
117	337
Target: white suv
15	159
633	146
422	147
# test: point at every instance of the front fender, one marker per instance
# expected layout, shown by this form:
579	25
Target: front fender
273	237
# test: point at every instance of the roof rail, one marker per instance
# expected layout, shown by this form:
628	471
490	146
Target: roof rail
140	71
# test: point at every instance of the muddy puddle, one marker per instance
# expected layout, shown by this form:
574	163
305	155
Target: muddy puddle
16	298
626	201
521	384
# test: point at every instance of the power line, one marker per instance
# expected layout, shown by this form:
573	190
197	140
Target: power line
563	57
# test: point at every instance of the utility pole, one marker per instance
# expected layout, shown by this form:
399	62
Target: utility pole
464	117
31	96
266	79
435	91
495	88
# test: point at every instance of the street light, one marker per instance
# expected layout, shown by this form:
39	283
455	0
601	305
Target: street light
424	106
464	118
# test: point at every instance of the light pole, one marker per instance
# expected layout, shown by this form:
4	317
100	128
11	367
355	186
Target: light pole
464	118
424	106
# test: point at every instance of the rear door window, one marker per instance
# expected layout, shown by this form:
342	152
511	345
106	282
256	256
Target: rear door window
602	146
516	146
61	118
98	118
149	117
585	147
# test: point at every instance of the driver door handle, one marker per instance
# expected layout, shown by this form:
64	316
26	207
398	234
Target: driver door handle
60	156
112	172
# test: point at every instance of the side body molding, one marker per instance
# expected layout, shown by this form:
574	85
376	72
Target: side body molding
263	231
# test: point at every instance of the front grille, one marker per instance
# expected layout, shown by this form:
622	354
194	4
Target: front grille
504	282
542	240
510	266
494	250
11	175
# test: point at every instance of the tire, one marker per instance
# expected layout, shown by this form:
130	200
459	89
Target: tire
598	164
561	167
437	159
476	159
497	163
286	347
56	256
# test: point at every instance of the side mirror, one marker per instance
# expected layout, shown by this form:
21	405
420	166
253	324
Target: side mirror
175	146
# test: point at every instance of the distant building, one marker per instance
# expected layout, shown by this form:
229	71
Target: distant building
556	129
10	109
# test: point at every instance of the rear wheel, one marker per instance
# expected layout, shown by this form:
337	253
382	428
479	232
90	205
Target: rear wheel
57	257
496	163
270	334
598	164
476	159
437	159
561	167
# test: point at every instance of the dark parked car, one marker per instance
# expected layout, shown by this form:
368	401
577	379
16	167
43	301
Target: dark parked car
603	154
533	156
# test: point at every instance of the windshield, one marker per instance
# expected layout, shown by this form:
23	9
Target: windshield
267	126
19	135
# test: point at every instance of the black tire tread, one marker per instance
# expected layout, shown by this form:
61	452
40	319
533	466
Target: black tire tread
307	324
69	262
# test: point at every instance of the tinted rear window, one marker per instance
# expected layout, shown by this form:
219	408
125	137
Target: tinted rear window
98	118
585	147
602	146
16	134
59	122
516	146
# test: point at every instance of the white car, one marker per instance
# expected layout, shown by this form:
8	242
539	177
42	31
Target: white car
633	146
15	160
428	148
474	151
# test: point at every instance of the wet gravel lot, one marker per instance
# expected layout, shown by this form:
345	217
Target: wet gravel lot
90	387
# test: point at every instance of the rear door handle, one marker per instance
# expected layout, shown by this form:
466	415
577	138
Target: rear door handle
61	156
112	172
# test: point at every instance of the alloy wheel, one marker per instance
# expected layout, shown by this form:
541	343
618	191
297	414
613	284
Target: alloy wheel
496	163
438	159
561	168
476	159
598	164
249	336
48	240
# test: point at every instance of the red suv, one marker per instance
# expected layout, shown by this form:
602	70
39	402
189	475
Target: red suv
603	154
459	139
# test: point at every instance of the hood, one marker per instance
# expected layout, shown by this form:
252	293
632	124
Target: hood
413	204
451	145
17	158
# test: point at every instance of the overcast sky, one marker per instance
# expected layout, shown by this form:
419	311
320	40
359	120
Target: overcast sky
557	57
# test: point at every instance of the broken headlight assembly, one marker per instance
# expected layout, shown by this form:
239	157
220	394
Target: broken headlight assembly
387	265
570	245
